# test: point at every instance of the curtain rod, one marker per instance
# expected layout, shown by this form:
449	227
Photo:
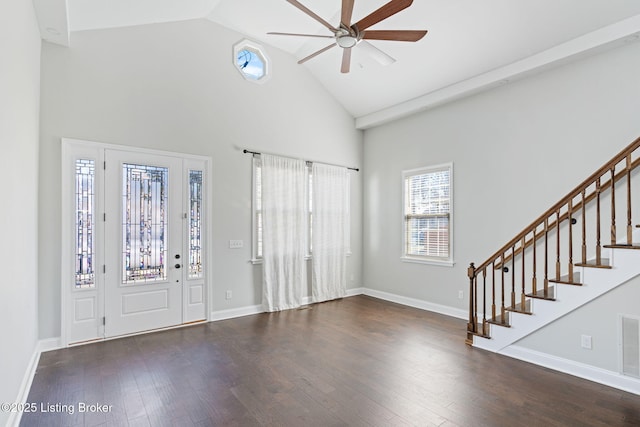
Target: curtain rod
310	161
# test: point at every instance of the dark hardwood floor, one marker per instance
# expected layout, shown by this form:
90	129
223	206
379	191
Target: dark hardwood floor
353	362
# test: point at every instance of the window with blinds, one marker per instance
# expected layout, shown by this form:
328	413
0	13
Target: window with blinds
428	214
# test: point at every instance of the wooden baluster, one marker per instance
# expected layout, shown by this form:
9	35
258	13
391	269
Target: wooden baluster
570	217
558	244
534	284
613	206
598	246
522	295
484	301
546	255
472	326
629	226
493	291
502	307
584	228
513	277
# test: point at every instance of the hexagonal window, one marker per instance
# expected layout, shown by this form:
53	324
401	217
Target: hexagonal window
250	61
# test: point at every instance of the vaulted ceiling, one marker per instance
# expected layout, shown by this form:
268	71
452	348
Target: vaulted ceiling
471	45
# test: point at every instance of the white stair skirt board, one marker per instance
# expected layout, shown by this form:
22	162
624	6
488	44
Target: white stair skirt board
595	282
571	367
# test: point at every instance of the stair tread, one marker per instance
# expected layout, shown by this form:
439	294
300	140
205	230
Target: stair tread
564	280
518	308
499	321
604	263
479	333
540	294
623	246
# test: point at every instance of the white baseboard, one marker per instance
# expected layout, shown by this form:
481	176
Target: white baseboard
49	344
417	303
256	309
25	386
577	369
235	312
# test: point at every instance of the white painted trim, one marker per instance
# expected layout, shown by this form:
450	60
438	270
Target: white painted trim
581	370
232	313
417	303
25	386
257	309
607	37
49	344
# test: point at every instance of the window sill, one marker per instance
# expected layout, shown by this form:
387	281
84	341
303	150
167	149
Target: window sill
443	263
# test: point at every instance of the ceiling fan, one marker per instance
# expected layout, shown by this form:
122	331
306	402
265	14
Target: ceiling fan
347	35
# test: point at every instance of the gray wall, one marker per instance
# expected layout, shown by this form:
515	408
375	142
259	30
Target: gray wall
19	112
173	87
516	150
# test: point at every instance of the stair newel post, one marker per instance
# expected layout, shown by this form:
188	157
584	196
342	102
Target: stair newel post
484	301
629	226
546	255
502	306
584	228
493	291
598	245
613	205
534	284
473	324
570	217
558	244
513	277
522	295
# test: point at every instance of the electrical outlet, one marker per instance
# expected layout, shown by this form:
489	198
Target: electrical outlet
460	294
228	295
236	244
586	341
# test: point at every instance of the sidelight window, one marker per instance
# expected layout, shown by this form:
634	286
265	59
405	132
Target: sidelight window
195	224
84	224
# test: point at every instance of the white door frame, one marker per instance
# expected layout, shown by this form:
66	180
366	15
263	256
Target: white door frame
91	301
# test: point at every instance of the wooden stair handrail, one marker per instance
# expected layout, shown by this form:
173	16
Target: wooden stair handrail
571	195
620	175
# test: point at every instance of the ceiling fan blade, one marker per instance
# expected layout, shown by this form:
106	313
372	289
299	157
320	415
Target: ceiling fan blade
313	55
391	8
300	35
346	60
396	35
347	11
311	14
381	57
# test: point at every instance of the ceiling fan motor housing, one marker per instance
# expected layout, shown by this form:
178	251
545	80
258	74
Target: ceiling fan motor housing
346	38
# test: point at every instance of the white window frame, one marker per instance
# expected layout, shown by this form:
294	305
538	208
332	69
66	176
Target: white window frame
423	259
256	253
258	50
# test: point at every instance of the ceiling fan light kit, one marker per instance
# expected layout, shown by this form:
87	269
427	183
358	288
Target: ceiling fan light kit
348	35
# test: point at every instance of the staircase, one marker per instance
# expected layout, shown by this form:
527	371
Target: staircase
559	262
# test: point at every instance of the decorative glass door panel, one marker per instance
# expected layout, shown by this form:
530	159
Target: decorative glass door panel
144	223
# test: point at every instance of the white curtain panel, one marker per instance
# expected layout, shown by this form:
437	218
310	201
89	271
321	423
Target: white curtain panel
284	221
329	216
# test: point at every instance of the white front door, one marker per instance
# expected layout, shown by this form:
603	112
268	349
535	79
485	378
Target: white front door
134	245
143	242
